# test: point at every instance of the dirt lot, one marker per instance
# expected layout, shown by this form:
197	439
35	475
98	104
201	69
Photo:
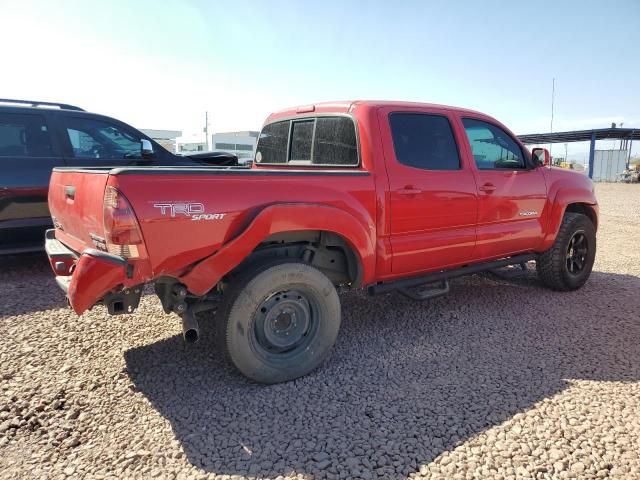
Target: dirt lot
500	379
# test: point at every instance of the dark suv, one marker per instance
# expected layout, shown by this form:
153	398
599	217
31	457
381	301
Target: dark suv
35	137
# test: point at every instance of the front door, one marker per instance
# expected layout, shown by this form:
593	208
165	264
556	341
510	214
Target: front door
92	142
511	192
432	192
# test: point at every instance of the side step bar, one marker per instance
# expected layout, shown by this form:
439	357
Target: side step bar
403	284
425	293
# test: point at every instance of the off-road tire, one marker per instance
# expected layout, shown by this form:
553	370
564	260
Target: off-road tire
552	265
242	313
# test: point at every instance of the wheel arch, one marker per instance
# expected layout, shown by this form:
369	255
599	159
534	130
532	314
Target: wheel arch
585	209
569	200
285	224
330	252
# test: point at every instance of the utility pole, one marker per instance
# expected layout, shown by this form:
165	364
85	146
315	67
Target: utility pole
206	129
553	94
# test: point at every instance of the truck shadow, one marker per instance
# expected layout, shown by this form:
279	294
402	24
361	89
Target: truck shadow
406	381
28	284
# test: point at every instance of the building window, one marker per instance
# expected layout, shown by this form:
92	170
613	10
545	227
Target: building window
226	146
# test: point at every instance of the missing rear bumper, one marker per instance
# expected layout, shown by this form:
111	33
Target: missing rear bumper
125	301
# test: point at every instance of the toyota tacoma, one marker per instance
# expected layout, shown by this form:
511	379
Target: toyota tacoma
387	196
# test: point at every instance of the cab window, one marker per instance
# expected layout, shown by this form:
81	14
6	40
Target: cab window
492	147
424	141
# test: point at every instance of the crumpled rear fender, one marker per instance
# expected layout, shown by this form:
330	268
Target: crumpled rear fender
359	232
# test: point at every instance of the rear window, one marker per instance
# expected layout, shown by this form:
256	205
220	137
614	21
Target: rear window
24	135
301	137
335	142
272	144
322	141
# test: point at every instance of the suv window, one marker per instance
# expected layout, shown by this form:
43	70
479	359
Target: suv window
329	141
91	138
24	135
424	141
492	147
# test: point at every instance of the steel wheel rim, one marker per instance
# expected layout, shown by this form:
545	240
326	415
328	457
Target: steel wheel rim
577	251
284	323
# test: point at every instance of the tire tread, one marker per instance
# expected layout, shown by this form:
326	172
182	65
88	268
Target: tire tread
551	264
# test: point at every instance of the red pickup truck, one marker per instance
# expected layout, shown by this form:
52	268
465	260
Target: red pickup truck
382	195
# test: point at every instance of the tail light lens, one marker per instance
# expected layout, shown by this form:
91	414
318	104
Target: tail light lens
121	228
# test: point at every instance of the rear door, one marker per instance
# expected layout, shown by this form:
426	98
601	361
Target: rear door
511	191
432	191
27	155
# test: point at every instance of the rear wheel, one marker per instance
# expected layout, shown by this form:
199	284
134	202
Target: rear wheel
568	263
282	319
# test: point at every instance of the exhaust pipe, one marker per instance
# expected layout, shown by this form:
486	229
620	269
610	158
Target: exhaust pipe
190	328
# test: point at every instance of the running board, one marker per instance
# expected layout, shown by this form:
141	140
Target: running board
403	284
425	292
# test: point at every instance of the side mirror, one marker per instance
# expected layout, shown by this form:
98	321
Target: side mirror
146	149
541	156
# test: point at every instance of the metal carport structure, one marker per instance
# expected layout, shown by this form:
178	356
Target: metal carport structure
627	135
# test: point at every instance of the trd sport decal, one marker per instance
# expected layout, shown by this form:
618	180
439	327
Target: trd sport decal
195	211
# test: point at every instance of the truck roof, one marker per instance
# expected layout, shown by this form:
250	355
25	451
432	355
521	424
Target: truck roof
345	106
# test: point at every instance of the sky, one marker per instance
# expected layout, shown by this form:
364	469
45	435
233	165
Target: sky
162	64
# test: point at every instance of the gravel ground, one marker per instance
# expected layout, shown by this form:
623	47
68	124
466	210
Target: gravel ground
499	379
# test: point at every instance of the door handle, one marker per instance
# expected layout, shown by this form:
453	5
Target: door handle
409	190
488	187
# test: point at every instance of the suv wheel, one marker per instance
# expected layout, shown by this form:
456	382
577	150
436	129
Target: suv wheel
568	263
282	319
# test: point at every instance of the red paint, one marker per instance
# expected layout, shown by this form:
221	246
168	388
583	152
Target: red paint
286	218
92	278
399	220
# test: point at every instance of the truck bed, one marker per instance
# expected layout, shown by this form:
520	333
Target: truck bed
188	214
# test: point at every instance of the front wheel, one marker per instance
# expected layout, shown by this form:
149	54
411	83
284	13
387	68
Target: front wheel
568	263
281	321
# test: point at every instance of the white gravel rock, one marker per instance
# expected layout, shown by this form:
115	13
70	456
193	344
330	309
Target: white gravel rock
501	379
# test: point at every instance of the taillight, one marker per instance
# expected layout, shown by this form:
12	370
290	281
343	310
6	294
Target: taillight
122	232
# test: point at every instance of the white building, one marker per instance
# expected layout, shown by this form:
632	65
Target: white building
166	138
191	144
241	144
